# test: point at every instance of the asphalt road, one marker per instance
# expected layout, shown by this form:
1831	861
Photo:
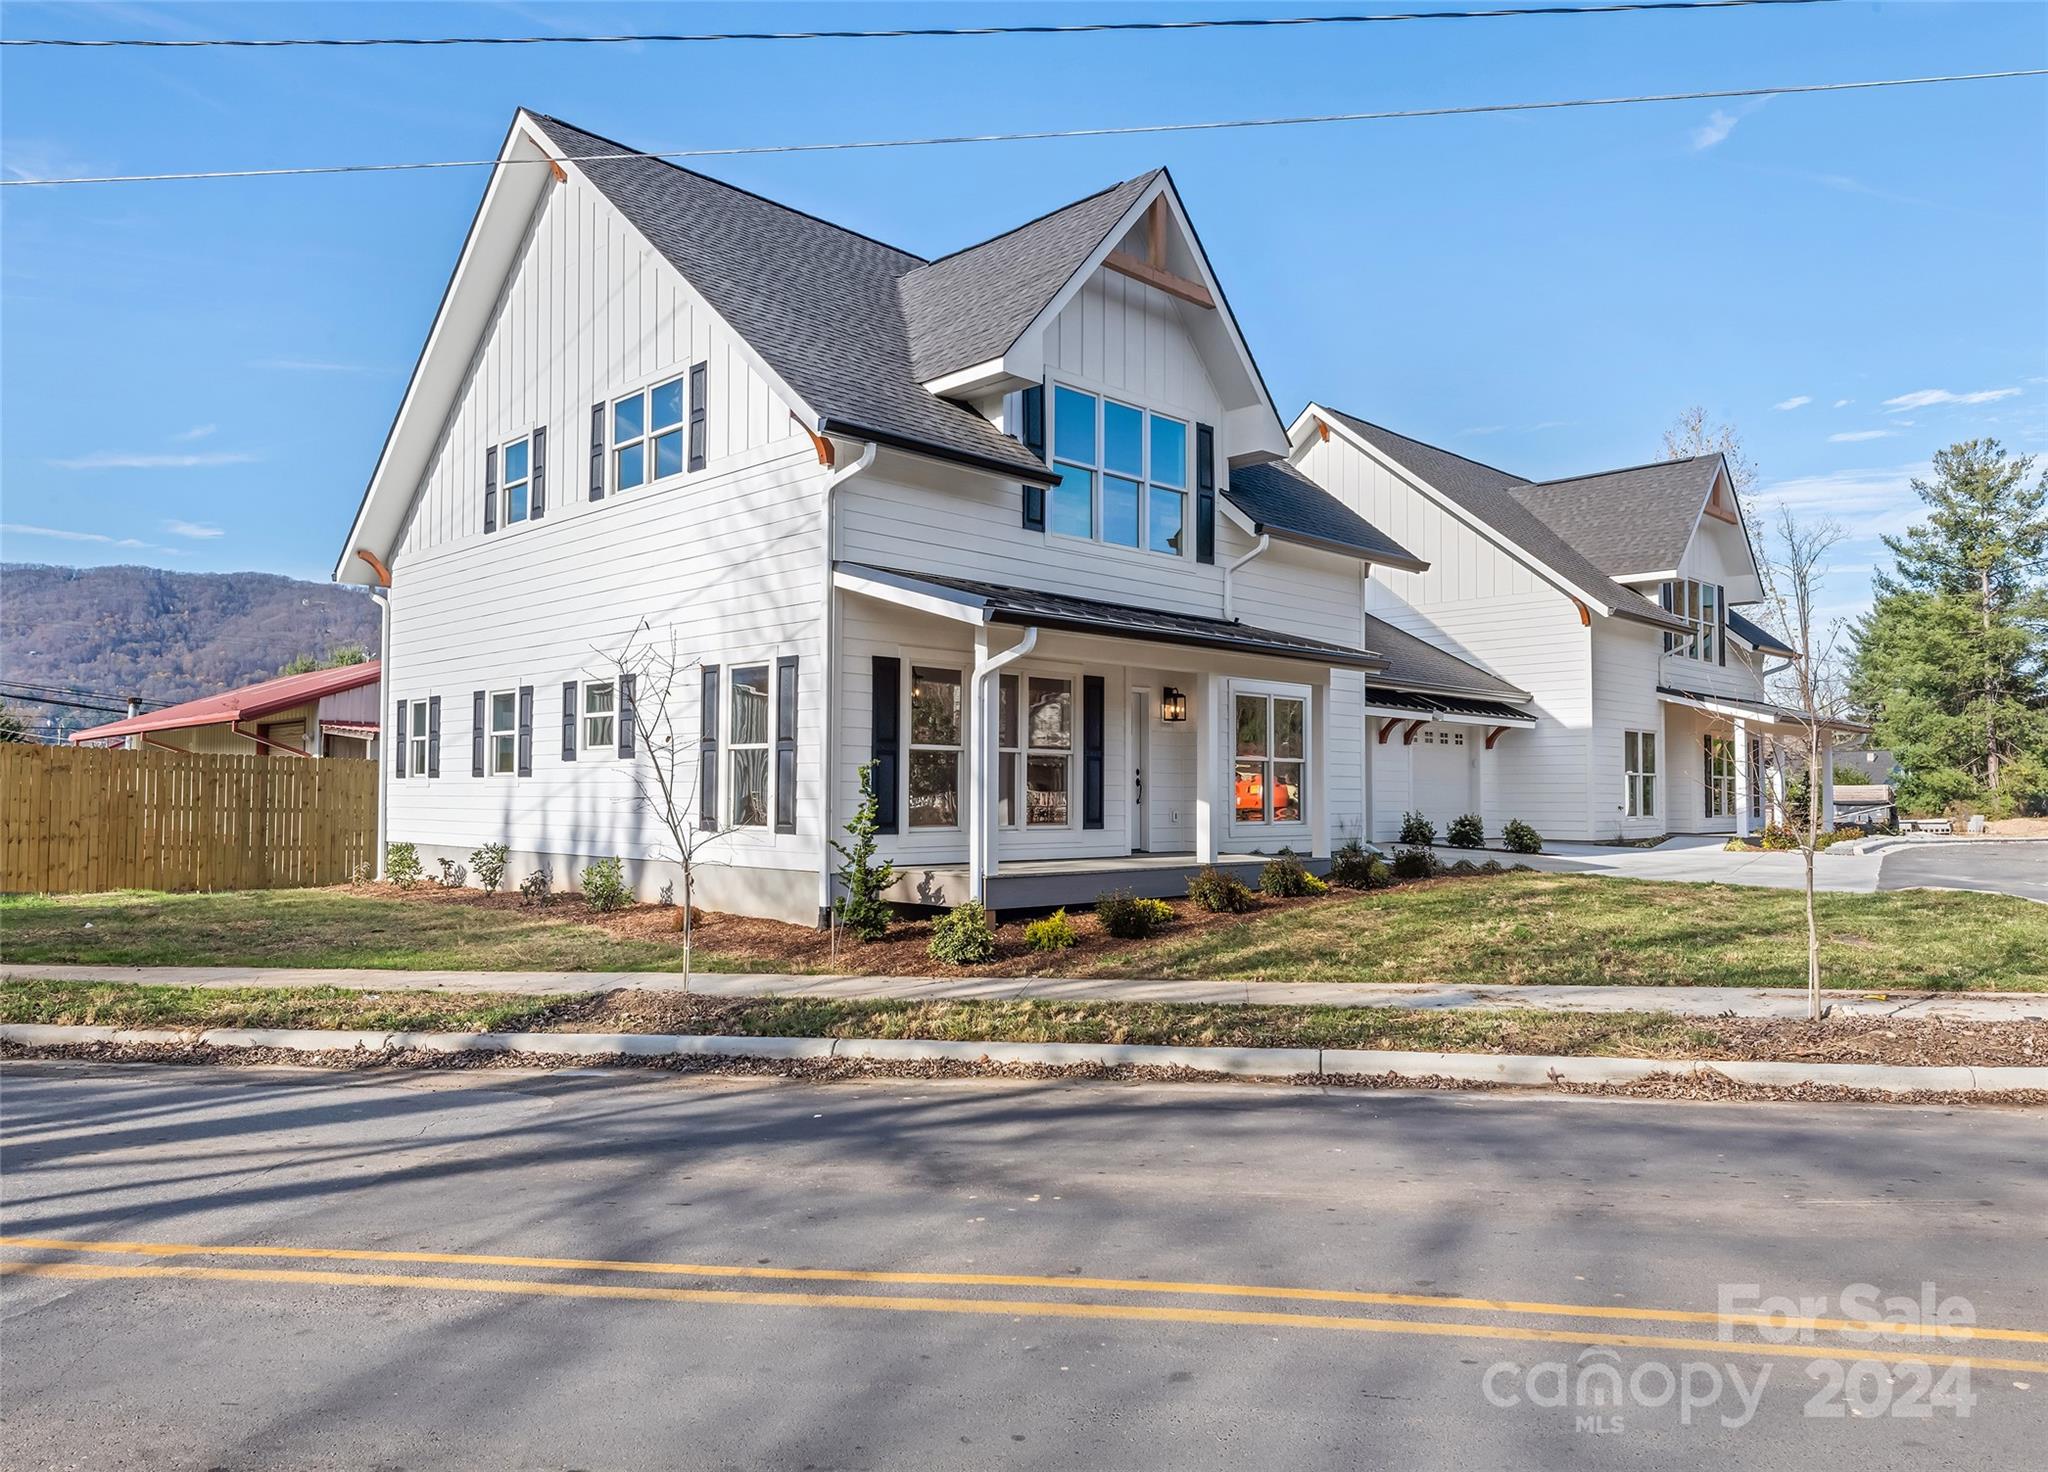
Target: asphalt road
2003	868
665	1330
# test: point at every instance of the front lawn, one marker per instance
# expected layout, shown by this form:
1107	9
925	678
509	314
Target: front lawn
1515	928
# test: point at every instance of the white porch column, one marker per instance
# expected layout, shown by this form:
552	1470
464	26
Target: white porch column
1741	778
1210	777
1319	770
981	857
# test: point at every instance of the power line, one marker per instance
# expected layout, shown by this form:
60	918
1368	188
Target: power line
1044	135
898	33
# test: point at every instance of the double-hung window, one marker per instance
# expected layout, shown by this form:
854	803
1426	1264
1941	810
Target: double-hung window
600	716
504	733
1048	752
515	460
417	737
935	745
749	742
1123	473
1271	764
1720	768
648	434
1639	758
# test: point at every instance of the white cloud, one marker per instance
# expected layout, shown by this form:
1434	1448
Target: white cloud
1858	436
17	529
198	530
1843	403
1718	126
1797	401
1868	501
1927	398
129	460
196	432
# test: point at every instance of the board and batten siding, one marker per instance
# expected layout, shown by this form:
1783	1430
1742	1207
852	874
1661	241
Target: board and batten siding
1625	663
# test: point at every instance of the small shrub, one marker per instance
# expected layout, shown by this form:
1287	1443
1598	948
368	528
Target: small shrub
538	888
1463	869
402	864
1054	933
1494	866
1220	893
604	886
1778	838
488	862
1417	831
1377	874
1127	917
1285	878
1351	866
1518	837
361	872
453	875
668	895
1416	863
962	936
1465	831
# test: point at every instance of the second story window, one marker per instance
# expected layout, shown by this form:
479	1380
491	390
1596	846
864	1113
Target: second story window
517	460
1705	607
1123	473
647	435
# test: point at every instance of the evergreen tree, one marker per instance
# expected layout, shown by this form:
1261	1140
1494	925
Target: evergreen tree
1952	660
862	910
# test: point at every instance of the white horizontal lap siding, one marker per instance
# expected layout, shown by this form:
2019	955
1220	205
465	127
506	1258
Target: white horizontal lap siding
1625	673
1295	590
589	312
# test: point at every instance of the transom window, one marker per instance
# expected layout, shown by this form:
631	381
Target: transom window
935	729
749	742
647	434
1639	759
1705	607
418	739
1123	473
504	733
1272	737
516	461
600	715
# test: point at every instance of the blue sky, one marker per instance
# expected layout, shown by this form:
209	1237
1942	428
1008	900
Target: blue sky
200	375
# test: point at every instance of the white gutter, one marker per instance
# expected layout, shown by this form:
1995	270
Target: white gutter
830	683
977	766
1230	572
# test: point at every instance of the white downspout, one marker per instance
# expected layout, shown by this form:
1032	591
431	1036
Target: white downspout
1230	573
982	729
382	596
829	765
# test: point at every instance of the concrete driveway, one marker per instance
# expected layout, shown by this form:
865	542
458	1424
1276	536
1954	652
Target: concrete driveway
1693	859
2005	867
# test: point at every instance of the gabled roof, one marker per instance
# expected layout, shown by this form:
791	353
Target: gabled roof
818	302
249	703
973	305
1284	503
1628	522
1490	496
1757	637
1416	664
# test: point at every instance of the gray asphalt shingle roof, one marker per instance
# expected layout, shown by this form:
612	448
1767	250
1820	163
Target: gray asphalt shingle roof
818	302
1631	521
973	305
1491	496
1417	664
1282	501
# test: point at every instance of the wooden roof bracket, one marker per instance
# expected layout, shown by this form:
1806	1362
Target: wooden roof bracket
1408	736
1585	614
1152	269
1323	430
376	566
822	445
1387	728
554	164
1495	734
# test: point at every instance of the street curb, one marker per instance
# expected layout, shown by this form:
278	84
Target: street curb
1518	1070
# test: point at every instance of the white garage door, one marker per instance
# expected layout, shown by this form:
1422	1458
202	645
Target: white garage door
1443	773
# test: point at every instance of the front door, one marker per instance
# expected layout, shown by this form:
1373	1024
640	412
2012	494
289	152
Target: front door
1141	756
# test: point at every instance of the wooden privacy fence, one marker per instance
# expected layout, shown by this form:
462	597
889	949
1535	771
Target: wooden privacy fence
78	819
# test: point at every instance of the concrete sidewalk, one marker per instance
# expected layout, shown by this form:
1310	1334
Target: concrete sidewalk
1692	1001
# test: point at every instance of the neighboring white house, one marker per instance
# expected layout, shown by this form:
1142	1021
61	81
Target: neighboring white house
330	712
1014	525
1612	599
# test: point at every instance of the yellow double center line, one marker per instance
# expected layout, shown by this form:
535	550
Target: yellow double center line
1015	1308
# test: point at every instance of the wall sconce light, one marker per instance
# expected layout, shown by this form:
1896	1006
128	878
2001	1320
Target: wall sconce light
1173	705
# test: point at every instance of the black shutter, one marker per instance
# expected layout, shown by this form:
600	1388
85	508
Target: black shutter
888	745
626	715
526	730
476	735
433	735
537	496
1031	430
491	489
398	761
597	452
1091	751
785	744
698	392
1664	601
568	720
1205	493
707	752
1721	620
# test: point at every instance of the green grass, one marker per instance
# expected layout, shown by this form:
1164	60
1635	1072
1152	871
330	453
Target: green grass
1574	930
119	1004
318	927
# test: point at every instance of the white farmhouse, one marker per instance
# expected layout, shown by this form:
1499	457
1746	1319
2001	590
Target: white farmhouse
1015	526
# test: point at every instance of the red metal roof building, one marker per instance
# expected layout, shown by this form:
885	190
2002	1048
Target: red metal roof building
330	712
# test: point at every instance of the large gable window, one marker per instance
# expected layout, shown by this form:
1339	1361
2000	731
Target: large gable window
1705	607
1123	473
648	434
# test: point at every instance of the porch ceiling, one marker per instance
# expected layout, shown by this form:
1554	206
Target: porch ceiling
991	603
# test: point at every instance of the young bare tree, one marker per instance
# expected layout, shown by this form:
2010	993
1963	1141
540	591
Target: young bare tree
666	770
1793	565
1691	435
